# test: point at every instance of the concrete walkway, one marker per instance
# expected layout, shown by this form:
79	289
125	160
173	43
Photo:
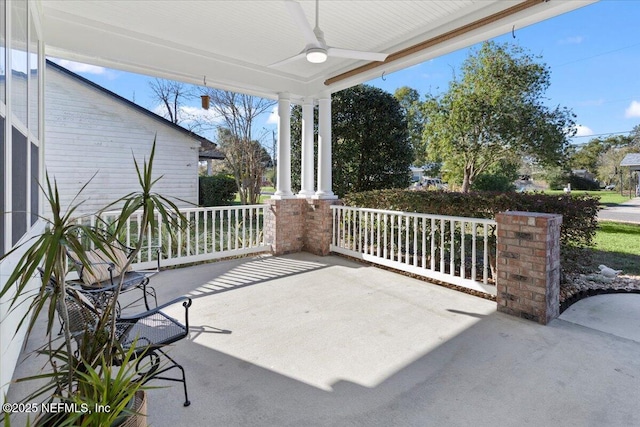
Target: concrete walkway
302	340
626	212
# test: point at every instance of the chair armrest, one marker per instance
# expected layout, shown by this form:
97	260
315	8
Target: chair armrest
186	303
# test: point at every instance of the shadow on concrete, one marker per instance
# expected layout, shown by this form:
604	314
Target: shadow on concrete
329	342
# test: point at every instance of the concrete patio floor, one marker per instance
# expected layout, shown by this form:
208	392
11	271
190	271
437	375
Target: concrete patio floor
302	340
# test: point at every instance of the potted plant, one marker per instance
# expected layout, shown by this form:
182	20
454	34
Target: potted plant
94	370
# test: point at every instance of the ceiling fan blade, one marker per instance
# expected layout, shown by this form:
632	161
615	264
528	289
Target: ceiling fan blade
296	12
356	54
288	60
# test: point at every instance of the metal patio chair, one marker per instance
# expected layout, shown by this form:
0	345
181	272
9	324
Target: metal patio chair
149	331
102	276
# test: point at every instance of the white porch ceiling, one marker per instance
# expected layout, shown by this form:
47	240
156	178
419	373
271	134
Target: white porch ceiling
231	43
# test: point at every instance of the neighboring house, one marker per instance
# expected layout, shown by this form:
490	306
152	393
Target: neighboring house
91	130
632	161
209	153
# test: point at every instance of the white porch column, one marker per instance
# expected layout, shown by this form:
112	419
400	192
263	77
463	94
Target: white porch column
324	148
306	175
283	184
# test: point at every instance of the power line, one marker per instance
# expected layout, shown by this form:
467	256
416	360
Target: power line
602	134
597	55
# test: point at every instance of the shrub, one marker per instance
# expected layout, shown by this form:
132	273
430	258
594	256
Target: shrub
579	183
579	212
493	182
217	190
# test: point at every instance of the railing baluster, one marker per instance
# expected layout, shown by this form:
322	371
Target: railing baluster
378	234
442	245
424	242
452	265
399	251
386	242
462	260
197	233
415	241
251	213
485	261
406	240
474	254
235	212
432	252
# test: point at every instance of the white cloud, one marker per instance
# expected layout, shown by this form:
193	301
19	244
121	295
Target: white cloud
571	40
583	130
189	114
591	103
273	117
78	67
633	110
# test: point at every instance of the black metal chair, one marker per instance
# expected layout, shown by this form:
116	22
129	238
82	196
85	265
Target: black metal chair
101	276
149	331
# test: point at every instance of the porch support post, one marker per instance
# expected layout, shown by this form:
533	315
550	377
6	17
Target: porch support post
324	148
528	264
283	184
306	176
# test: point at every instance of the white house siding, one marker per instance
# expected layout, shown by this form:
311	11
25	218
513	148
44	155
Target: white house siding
89	131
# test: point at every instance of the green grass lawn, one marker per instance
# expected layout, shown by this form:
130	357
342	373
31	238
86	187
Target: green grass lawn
263	196
618	246
607	198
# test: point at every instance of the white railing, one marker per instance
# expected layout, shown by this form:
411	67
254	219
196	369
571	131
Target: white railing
449	249
212	233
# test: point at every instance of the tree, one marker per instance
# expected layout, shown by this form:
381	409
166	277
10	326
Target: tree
496	109
409	100
244	156
615	148
172	95
587	156
370	142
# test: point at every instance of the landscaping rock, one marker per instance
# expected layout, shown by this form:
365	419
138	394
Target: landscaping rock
578	286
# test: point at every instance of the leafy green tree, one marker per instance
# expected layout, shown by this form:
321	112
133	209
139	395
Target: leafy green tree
370	141
635	135
409	100
587	156
494	110
498	177
616	147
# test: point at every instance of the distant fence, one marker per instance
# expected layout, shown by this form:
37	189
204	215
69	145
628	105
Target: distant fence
455	250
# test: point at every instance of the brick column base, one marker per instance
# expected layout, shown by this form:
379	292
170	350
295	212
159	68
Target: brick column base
528	265
284	225
319	226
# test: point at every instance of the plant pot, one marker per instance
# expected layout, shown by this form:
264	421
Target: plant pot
139	405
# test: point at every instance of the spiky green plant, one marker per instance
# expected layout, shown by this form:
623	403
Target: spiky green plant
75	375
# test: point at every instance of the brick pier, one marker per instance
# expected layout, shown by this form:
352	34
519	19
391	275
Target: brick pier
528	265
294	225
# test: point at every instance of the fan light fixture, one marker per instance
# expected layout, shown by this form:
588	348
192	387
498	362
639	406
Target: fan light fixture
316	55
316	50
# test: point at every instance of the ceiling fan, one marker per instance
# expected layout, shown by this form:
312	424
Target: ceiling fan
316	51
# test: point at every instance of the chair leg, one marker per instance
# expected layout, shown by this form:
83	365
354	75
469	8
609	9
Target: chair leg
183	380
148	290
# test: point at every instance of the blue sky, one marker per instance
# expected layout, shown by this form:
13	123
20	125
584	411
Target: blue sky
593	54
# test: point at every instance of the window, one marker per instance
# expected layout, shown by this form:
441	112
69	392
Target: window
34	89
19	191
19	60
2	185
3	52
